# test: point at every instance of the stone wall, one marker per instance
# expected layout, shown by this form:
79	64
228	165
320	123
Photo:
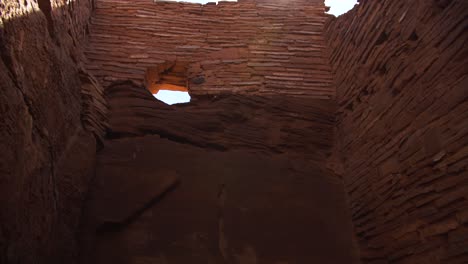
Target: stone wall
300	127
252	184
256	47
401	79
400	73
49	121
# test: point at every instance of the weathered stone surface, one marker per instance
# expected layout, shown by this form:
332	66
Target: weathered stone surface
245	39
251	147
47	152
401	79
231	207
243	161
119	193
94	112
278	124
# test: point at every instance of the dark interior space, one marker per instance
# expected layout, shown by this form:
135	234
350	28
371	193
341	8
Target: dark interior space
309	137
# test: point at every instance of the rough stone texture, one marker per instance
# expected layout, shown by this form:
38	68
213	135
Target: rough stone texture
169	76
231	207
47	154
257	47
94	113
252	186
276	124
251	148
401	79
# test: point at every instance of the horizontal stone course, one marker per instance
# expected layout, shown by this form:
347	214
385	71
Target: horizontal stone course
127	37
400	75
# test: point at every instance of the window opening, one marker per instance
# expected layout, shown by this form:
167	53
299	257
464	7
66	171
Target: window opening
172	97
339	7
168	82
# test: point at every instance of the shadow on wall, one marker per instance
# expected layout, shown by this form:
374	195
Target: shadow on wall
402	127
47	152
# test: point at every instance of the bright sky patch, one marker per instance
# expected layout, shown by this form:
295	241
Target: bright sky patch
203	2
339	7
172	97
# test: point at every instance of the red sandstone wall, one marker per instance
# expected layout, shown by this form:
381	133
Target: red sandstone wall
401	79
48	116
257	47
299	127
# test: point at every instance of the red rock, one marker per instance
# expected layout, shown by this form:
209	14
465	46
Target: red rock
280	91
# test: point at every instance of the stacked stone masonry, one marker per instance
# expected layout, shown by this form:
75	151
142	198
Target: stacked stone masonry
256	47
400	69
394	72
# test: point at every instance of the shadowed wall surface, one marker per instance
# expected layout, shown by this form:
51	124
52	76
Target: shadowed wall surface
231	207
250	191
51	112
401	79
281	92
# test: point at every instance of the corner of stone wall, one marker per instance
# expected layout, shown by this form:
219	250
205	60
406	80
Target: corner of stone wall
94	113
399	70
52	114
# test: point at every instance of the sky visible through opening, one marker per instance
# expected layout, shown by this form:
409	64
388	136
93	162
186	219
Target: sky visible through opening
339	7
203	2
172	97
